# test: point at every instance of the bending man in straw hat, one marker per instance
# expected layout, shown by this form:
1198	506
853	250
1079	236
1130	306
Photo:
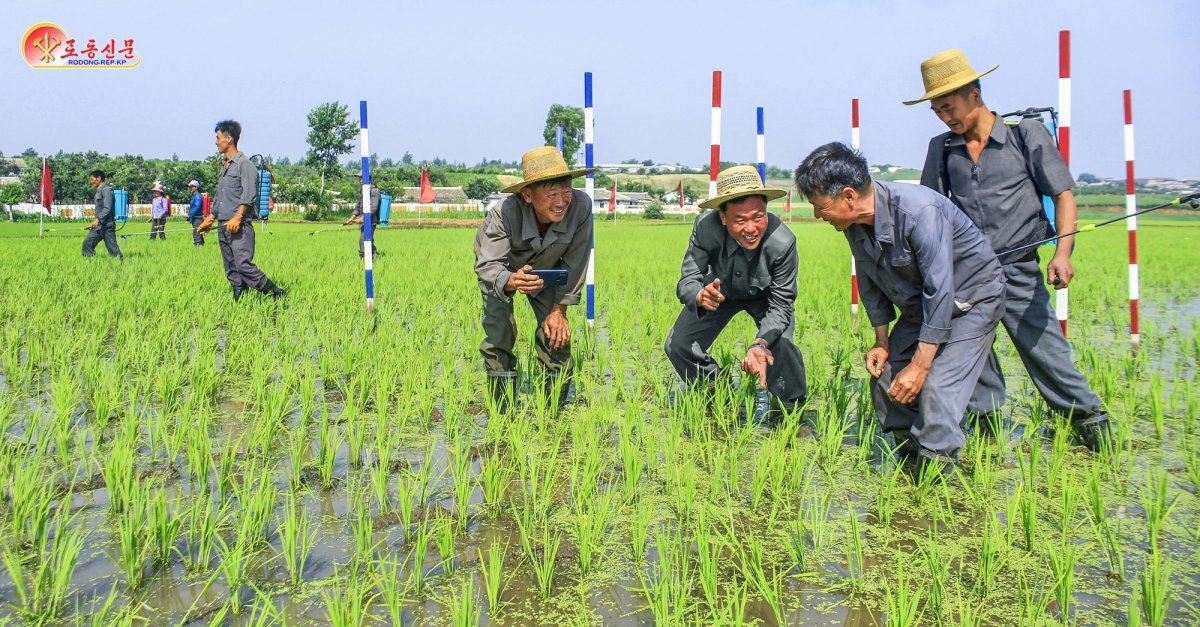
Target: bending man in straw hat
916	253
544	224
997	174
740	258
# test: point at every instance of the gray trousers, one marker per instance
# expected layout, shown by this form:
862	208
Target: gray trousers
237	254
1033	327
691	336
157	226
500	335
361	237
934	418
197	236
106	231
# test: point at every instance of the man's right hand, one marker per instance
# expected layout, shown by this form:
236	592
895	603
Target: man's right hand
93	225
523	282
710	296
876	358
205	225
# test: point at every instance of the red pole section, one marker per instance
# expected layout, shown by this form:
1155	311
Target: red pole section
715	157
1131	224
1063	305
855	138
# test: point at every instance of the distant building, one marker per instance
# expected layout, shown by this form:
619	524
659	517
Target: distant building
444	194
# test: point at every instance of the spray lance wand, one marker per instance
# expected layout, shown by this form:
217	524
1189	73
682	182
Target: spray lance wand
1191	199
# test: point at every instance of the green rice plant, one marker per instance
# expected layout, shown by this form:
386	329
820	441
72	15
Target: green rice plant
1110	540
1063	561
464	610
225	463
929	478
329	440
118	473
406	488
903	606
1154	501
937	564
1060	447
133	542
418	577
592	521
263	612
1156	589
1012	509
1157	404
1133	612
166	524
831	433
494	581
1191	463
205	519
543	564
298	447
424	473
885	494
668	585
968	612
381	487
769	587
639	528
733	610
29	495
235	562
631	447
297	537
356	435
460	474
708	566
199	457
990	558
495	475
41	589
256	498
392	590
854	548
796	545
1070	505
1095	493
1033	598
1029	509
443	538
347	602
815	513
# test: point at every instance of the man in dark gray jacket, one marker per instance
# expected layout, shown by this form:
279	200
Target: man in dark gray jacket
104	226
916	253
740	258
543	225
234	202
357	216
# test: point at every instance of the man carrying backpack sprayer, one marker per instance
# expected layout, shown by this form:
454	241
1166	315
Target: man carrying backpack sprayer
997	174
237	191
196	213
357	216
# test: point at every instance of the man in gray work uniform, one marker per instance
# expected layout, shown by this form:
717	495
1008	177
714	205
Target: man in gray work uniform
916	253
357	216
104	225
233	211
740	258
544	224
997	174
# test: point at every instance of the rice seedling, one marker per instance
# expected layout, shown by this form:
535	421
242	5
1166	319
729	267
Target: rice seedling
929	478
667	586
464	610
639	529
118	473
495	475
133	542
494	581
264	612
1029	509
1157	405
392	591
708	569
443	538
461	475
41	588
549	541
204	521
769	587
1033	598
592	521
1070	505
297	537
1063	561
854	549
418	577
225	463
903	606
329	440
406	488
1012	512
990	558
937	564
235	561
166	524
347	604
1156	505
815	514
256	499
1155	588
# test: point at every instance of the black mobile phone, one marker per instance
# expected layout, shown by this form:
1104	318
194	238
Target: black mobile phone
551	277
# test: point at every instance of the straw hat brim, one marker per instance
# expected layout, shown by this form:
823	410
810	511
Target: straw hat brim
770	192
520	185
945	89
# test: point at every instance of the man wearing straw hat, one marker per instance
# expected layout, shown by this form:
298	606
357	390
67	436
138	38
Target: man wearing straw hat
195	213
740	258
545	224
997	174
916	253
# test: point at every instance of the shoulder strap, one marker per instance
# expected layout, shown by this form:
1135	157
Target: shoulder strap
1018	136
945	171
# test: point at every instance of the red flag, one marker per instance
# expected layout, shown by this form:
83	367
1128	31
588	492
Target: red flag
47	187
427	194
788	207
612	199
680	193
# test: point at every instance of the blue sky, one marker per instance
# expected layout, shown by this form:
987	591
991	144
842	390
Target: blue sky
469	79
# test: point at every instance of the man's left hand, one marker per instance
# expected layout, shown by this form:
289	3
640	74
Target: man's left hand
1059	271
756	361
234	224
556	329
907	385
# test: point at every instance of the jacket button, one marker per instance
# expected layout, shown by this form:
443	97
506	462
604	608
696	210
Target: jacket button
737	274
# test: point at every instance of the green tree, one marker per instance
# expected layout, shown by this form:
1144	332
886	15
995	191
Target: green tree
329	133
481	186
10	195
654	211
571	121
30	152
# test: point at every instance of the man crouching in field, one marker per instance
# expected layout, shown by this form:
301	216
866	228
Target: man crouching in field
543	225
740	258
916	252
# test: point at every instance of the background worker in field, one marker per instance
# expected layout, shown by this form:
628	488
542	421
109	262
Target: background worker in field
740	258
104	224
997	174
237	191
158	211
357	216
916	253
195	213
544	224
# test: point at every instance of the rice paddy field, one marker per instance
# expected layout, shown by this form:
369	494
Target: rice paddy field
168	456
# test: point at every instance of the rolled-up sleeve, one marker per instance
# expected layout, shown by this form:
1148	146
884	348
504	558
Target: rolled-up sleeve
933	247
880	310
249	176
781	299
491	256
695	266
576	258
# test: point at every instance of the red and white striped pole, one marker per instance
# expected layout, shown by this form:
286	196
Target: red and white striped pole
715	158
1062	307
854	143
1131	222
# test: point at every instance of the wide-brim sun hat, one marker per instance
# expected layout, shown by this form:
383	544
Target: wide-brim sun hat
738	182
158	187
194	183
543	163
945	72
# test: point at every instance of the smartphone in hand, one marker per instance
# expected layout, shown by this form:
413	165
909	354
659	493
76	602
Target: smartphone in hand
554	276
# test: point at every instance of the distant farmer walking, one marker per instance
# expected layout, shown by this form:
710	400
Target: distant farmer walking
158	211
104	226
233	212
196	212
357	216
